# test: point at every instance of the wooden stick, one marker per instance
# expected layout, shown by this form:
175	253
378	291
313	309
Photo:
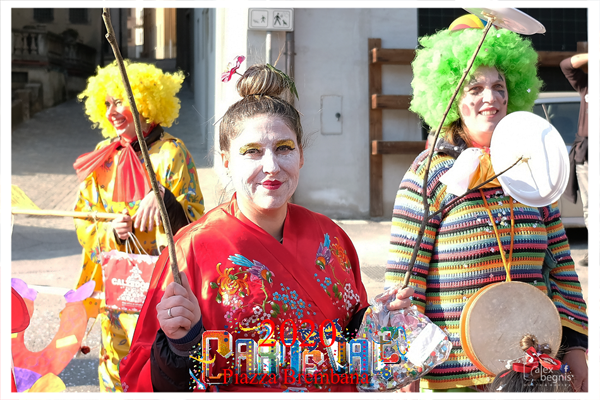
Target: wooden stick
56	213
431	151
110	36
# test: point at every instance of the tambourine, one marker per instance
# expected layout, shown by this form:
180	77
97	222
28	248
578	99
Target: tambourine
496	318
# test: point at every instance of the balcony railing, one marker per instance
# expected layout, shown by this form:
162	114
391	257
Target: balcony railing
34	46
40	48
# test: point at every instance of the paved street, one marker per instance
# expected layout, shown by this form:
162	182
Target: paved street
46	253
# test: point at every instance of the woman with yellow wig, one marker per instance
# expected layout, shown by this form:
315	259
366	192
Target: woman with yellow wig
115	181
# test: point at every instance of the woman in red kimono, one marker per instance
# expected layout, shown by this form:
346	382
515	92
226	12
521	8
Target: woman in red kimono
254	259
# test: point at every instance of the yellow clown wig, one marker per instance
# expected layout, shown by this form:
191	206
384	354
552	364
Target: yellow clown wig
153	90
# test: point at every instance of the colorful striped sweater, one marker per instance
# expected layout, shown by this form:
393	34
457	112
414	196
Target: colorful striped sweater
459	255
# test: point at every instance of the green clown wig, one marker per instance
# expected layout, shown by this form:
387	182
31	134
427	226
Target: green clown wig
153	90
439	65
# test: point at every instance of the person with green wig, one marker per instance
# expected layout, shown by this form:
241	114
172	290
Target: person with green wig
460	252
114	180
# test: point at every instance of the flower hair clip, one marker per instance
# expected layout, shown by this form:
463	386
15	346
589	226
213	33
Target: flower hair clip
237	61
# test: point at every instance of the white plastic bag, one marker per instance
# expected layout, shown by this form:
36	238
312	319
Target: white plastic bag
405	344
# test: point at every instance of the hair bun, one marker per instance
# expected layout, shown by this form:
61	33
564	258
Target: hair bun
261	80
530	340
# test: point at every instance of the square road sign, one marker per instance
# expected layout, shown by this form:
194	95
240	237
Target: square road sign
271	19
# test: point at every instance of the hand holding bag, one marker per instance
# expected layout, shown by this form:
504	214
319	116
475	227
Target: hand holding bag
405	345
127	276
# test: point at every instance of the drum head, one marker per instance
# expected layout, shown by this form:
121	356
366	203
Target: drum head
497	317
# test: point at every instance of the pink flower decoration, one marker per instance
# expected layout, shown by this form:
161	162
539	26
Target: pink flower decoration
226	76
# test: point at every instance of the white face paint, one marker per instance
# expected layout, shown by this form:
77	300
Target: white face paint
483	104
264	163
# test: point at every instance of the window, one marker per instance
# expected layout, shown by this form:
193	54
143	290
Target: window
43	14
78	15
19	77
563	114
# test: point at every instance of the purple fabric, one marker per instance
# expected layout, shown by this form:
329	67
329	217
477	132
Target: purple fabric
20	286
82	293
25	378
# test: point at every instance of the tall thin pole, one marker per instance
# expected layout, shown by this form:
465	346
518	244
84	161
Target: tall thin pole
431	150
110	36
268	48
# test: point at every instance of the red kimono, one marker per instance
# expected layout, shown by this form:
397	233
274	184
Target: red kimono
242	276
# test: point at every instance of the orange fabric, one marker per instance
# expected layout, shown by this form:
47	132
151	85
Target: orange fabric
65	344
89	162
132	181
484	172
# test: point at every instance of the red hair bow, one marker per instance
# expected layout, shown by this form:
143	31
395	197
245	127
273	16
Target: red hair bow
534	359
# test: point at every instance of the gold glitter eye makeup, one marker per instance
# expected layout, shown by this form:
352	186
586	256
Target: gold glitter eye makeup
288	143
250	147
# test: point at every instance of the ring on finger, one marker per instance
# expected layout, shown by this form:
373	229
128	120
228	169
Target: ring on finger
169	313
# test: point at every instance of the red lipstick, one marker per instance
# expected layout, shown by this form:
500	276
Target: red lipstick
271	185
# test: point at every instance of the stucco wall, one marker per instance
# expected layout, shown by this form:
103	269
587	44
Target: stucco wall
53	82
231	39
331	60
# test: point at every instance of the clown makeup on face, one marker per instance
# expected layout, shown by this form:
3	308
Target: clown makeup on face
483	104
264	163
119	115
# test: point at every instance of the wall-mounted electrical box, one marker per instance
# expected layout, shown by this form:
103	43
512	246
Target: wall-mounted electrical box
331	115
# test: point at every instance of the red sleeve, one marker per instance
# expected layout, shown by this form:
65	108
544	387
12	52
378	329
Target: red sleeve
134	369
354	261
327	225
364	299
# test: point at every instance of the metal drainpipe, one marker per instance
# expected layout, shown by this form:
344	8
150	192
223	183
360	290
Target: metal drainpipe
268	48
289	55
289	69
